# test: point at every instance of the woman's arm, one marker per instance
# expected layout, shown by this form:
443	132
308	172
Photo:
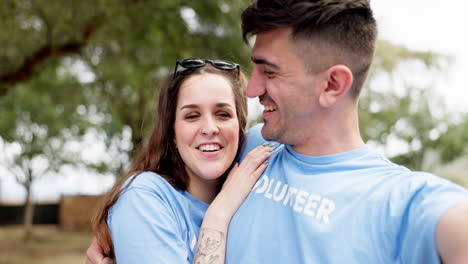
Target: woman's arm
211	247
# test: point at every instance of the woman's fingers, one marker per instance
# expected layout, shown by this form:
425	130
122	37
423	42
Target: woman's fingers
231	173
253	165
241	180
255	158
256	174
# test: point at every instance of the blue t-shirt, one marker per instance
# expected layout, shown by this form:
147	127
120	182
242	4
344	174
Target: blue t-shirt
152	222
352	207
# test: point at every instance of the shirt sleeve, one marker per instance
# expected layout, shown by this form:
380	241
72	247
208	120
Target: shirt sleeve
145	229
430	200
253	138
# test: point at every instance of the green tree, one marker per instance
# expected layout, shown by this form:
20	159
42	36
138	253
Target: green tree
124	47
403	111
452	144
33	120
380	108
419	127
39	155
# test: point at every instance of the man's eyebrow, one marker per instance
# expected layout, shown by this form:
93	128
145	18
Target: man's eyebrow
264	61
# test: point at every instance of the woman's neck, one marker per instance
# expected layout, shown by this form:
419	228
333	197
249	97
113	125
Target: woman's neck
203	190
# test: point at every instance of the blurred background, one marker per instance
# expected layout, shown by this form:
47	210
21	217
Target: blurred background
79	81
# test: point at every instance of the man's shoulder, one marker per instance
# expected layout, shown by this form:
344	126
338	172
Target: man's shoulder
255	133
253	139
416	181
426	193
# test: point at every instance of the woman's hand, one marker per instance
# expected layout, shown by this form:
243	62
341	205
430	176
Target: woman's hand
211	247
95	255
240	182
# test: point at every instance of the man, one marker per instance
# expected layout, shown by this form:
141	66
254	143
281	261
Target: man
326	197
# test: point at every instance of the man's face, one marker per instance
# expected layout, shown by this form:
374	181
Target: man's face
285	88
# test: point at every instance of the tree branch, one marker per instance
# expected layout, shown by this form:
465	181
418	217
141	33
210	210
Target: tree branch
26	70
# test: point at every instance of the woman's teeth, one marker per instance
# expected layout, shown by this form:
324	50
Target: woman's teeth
210	147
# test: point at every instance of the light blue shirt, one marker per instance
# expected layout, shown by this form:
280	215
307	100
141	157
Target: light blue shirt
352	207
152	222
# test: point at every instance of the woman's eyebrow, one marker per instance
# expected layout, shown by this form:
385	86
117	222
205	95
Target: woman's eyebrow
224	105
195	106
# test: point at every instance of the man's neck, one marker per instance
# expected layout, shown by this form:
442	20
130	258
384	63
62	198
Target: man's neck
331	136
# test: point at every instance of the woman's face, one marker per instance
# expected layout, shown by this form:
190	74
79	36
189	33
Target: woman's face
206	127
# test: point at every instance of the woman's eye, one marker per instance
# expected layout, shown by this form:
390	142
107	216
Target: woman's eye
191	116
224	115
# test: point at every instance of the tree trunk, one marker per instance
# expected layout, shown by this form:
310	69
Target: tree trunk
28	214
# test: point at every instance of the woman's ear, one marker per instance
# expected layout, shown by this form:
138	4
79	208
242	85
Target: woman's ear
339	80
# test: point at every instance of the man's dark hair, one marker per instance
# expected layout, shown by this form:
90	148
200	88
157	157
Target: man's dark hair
348	26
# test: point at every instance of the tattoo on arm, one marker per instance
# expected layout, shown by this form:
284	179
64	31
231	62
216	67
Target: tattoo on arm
208	244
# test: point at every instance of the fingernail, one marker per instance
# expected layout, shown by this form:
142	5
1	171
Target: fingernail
266	162
265	144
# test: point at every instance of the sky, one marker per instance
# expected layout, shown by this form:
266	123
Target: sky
431	25
422	25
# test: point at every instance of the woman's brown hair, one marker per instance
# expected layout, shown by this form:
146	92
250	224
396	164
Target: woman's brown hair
160	154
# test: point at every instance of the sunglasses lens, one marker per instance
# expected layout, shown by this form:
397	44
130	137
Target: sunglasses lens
192	63
225	65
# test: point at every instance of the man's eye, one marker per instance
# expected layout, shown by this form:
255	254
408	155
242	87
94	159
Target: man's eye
269	73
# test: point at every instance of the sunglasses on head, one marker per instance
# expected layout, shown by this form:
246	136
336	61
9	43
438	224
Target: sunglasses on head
197	63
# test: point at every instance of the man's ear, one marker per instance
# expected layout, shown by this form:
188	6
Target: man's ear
339	80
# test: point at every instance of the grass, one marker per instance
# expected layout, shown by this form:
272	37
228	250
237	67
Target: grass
49	245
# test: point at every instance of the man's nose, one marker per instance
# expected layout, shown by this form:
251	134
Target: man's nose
256	85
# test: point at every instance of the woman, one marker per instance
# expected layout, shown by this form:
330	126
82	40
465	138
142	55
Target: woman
171	194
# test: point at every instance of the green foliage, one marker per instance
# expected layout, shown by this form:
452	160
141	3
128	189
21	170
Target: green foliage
416	118
389	56
453	143
33	116
76	65
379	109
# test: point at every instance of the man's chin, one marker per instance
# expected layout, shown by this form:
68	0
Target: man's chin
269	134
